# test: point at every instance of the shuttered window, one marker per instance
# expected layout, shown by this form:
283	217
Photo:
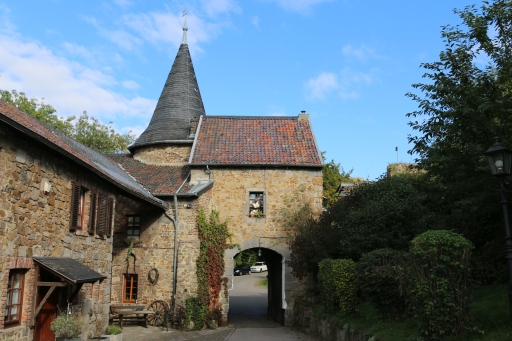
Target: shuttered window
105	209
93	217
100	206
77	206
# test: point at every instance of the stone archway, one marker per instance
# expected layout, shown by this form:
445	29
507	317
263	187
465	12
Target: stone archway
276	254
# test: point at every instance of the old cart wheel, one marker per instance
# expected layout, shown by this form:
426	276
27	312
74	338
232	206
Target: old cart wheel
161	309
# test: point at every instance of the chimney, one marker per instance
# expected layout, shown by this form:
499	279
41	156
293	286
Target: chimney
193	126
303	117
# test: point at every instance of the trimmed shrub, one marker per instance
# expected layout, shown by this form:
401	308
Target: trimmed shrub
380	276
439	282
336	279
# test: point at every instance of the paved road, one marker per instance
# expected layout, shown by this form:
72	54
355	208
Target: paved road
247	320
248	313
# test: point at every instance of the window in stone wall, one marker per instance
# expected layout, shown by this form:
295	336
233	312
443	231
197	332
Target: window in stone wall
78	206
133	227
14	298
91	211
256	204
130	284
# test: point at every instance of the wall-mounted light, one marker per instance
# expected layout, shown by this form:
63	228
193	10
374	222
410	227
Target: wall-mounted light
46	187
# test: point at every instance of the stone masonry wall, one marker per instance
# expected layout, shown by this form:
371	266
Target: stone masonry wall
156	250
33	223
282	188
168	155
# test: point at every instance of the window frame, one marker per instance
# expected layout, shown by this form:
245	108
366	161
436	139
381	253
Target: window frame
100	215
133	284
253	195
9	296
133	227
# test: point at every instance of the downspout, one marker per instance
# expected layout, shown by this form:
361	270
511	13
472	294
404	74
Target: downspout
175	261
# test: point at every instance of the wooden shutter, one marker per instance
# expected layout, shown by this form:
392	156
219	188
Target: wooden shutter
93	214
75	205
101	227
110	213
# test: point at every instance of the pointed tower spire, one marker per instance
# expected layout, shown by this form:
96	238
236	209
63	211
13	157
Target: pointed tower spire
179	102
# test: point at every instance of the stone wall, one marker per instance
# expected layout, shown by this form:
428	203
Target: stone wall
156	250
282	188
35	223
175	155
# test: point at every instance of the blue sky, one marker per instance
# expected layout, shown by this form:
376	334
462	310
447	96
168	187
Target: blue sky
348	63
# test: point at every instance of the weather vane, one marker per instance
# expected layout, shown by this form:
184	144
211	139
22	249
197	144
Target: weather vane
185	28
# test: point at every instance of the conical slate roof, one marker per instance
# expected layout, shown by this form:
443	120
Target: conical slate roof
179	102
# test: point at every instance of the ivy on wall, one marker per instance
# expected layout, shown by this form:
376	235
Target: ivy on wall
213	236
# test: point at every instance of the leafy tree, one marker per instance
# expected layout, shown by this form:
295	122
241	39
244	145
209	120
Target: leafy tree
333	175
465	101
42	111
246	257
387	213
86	130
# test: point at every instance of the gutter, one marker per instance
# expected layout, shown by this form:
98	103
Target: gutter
195	139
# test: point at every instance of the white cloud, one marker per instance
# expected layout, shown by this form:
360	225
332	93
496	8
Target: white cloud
123	3
301	6
322	85
120	37
68	86
216	7
255	21
161	28
363	52
134	130
132	85
346	84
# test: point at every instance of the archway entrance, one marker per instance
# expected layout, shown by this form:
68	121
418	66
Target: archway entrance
257	298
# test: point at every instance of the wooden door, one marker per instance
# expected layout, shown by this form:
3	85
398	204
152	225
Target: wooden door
42	331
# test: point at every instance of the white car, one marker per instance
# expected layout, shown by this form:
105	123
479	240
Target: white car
259	267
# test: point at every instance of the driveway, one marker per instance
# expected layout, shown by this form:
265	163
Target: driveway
248	313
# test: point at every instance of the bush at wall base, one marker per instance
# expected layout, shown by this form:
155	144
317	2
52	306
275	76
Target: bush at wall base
67	327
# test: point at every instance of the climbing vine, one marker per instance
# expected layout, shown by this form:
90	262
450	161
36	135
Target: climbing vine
213	236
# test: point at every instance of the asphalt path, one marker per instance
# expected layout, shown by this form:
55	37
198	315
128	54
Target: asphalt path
248	313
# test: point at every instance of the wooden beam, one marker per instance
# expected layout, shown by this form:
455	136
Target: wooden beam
43	301
51	284
35	294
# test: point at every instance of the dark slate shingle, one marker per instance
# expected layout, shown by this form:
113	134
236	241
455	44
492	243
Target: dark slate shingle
179	102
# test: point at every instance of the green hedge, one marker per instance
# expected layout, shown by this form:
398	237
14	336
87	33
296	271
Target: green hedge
439	282
336	279
380	277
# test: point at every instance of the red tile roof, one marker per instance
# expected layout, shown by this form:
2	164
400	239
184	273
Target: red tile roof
158	179
255	141
75	151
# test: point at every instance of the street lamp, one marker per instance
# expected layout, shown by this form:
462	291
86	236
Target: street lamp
500	160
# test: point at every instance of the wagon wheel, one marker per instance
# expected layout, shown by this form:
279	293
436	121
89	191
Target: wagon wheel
161	309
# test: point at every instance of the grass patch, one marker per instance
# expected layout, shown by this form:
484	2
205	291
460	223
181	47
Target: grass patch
262	283
490	319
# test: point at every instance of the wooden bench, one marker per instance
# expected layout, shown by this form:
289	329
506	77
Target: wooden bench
129	313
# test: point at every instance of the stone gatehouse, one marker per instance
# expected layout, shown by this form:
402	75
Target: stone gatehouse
64	206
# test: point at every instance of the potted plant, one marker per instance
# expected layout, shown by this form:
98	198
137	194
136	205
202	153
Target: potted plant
114	332
67	327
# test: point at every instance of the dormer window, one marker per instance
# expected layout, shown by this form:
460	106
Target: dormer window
256	204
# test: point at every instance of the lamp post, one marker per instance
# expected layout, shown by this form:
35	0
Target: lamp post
500	160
